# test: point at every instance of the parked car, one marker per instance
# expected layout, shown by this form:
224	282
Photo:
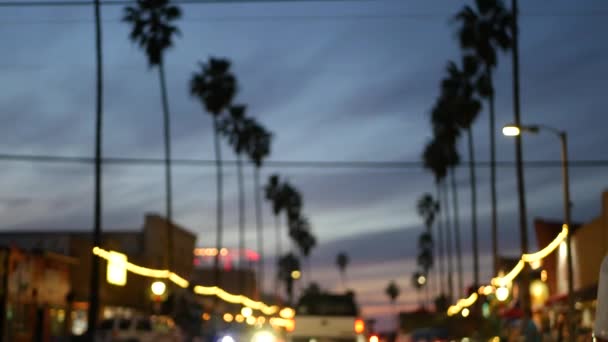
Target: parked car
138	329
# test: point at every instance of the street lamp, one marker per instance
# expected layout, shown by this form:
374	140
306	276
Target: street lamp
513	130
158	288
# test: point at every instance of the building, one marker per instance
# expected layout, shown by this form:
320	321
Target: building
144	247
589	246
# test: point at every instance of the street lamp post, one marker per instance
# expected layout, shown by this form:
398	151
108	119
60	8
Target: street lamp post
512	130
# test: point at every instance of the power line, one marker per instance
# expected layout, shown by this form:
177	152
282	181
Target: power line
81	3
282	163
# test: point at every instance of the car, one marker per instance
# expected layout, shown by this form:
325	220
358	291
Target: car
138	329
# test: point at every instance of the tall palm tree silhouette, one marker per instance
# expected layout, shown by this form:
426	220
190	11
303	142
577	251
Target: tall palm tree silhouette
461	105
446	132
483	30
286	265
215	86
153	29
300	233
236	128
434	159
258	149
342	262
428	209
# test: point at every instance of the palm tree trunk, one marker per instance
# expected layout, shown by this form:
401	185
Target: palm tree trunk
440	243
473	181
259	229
523	219
279	252
219	204
448	238
168	188
239	164
94	280
457	233
493	174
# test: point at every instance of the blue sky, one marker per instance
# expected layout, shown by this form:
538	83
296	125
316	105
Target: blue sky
334	81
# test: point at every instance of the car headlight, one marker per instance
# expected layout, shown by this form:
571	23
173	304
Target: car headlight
263	336
227	338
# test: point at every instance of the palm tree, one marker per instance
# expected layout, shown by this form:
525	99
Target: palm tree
434	159
94	279
446	131
425	258
300	232
234	127
393	292
427	208
286	265
215	86
258	149
483	30
342	262
153	30
460	104
274	194
418	285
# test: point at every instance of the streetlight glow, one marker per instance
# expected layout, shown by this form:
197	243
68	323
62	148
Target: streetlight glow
296	274
465	312
502	293
158	288
246	312
421	280
511	131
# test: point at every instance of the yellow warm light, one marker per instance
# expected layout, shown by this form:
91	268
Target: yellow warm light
261	320
251	320
421	280
287	313
288	324
239	318
296	274
508	278
533	257
488	290
143	271
206	317
246	312
453	310
464	303
511	131
116	272
543	275
235	299
228	317
536	264
465	312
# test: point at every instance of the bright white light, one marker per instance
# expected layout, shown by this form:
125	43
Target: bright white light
502	293
116	272
263	336
227	338
511	131
246	312
421	280
563	249
158	288
536	264
465	312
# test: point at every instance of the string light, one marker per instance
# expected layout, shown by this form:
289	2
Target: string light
504	281
548	249
201	290
501	282
143	271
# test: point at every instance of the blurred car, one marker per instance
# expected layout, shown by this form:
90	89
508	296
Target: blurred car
138	329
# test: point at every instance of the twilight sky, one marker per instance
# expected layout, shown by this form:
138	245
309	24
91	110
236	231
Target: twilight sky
334	81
